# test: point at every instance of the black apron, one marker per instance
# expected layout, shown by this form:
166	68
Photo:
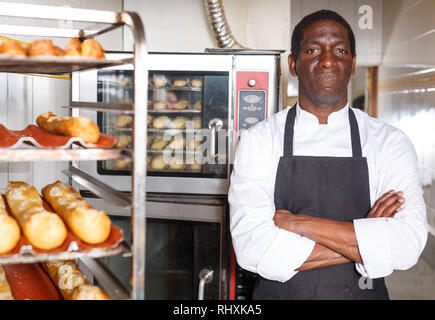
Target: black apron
334	188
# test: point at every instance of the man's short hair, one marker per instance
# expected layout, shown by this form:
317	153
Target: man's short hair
298	32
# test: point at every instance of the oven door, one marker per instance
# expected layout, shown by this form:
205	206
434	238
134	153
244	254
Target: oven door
189	116
184	242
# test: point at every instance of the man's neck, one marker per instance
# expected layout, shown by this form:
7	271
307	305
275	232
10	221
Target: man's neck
321	111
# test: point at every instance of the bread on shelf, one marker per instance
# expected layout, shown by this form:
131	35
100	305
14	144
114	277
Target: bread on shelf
71	282
41	48
9	229
5	289
90	225
12	48
44	230
91	48
81	127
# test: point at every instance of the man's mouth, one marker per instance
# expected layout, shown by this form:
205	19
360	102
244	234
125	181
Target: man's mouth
327	76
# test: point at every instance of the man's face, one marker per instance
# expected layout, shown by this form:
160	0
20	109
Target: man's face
324	64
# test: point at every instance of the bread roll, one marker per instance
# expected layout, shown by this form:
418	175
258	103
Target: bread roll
162	122
123	141
158	163
179	83
90	225
174	165
196	82
197	105
9	229
92	49
44	229
159	80
159	143
123	120
177	144
5	289
12	48
159	105
179	123
41	48
182	104
81	127
71	282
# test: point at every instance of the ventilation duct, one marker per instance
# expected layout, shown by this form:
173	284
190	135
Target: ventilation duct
219	25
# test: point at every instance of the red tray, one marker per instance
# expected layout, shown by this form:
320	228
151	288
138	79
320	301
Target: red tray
40	138
30	282
71	248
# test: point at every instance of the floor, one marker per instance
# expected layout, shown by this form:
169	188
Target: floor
417	283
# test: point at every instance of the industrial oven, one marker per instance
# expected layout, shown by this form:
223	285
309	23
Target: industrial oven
198	103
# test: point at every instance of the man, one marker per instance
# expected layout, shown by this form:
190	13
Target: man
317	195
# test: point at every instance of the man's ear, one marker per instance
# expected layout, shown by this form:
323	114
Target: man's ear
353	64
292	65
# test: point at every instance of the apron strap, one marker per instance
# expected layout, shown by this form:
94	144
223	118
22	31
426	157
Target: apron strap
289	133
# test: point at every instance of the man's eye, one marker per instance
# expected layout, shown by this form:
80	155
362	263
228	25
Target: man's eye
342	51
312	50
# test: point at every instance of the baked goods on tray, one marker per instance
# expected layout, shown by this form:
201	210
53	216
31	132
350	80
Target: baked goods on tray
12	48
90	48
9	229
71	282
90	225
44	230
5	289
81	127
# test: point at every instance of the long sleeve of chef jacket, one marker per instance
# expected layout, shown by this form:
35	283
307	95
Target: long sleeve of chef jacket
385	244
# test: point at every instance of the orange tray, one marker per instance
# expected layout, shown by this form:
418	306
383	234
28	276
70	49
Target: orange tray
30	282
72	247
40	138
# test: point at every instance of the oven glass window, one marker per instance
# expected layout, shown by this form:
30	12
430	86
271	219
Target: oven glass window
187	122
176	252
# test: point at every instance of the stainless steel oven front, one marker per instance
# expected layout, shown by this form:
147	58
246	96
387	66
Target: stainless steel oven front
198	104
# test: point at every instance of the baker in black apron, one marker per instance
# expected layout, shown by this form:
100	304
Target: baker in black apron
309	185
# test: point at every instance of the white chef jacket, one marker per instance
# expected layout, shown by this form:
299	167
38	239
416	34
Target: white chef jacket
385	244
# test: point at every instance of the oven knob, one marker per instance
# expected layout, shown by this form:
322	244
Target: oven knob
252	82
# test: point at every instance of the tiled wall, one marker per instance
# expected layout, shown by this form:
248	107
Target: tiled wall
23	98
407	82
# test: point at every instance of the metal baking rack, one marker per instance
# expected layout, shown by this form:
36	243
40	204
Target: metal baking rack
67	65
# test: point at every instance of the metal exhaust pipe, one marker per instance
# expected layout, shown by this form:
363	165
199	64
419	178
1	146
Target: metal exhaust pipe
219	25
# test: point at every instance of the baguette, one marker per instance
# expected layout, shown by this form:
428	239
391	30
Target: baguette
43	229
5	289
81	127
9	229
90	225
71	282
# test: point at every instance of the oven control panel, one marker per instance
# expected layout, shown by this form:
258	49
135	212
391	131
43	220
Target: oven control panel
251	98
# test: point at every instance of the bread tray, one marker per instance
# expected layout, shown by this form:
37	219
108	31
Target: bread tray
72	248
40	138
53	65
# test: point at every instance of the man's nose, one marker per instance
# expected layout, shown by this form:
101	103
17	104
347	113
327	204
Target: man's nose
328	60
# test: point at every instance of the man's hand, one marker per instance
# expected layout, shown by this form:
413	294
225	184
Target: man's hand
387	205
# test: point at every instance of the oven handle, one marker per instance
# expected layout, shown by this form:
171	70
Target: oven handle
205	276
214	125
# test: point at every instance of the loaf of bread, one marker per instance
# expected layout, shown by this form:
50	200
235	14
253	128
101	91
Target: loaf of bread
44	229
5	289
71	282
90	225
41	48
12	48
91	48
9	229
81	127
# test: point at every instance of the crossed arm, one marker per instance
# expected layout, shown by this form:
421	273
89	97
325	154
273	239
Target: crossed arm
336	241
